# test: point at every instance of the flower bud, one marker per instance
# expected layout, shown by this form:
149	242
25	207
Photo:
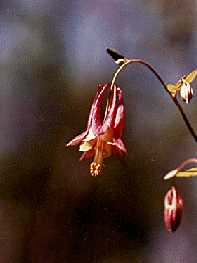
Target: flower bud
173	208
186	92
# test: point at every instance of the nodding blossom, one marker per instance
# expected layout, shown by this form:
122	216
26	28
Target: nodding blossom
183	85
102	139
186	91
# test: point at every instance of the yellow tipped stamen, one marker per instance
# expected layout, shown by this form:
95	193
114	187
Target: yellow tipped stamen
96	169
97	166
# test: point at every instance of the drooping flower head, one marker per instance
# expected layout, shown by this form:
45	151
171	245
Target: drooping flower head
183	85
102	139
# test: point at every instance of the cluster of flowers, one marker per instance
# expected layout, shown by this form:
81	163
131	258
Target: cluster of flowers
101	139
173	202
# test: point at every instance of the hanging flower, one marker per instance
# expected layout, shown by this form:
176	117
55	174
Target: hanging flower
183	85
186	91
100	140
173	209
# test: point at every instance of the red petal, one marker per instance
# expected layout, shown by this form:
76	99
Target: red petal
118	154
77	139
80	137
93	107
109	122
87	154
111	115
119	121
96	119
119	143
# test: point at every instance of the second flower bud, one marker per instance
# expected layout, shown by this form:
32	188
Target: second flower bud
173	209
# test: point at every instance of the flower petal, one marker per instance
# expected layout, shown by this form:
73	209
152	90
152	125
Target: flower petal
109	121
172	88
80	137
87	145
112	109
119	143
93	107
117	152
77	139
191	76
97	128
119	121
87	154
186	92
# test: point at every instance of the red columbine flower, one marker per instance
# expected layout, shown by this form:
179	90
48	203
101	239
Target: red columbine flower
100	140
173	209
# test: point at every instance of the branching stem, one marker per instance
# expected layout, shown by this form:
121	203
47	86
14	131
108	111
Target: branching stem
191	160
127	62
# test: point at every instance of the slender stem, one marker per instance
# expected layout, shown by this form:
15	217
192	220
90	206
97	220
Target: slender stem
174	181
127	62
174	172
191	160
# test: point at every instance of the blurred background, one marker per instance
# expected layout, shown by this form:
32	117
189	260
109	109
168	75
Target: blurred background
52	58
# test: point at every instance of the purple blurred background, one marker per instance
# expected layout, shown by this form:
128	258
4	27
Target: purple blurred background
52	57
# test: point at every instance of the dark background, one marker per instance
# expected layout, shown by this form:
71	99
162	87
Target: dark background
52	58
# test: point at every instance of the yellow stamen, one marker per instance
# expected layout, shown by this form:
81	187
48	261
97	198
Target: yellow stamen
97	166
96	169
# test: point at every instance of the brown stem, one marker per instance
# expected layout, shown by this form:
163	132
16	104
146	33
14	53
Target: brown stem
191	160
127	62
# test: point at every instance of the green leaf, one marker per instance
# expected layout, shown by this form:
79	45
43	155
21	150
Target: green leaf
188	173
191	76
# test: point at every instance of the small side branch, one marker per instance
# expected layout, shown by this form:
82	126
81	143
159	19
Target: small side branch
124	62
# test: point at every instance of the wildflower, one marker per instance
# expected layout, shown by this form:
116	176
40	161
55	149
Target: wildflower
173	208
186	90
183	85
100	140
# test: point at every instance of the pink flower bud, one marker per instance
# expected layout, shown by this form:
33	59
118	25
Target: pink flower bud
173	208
